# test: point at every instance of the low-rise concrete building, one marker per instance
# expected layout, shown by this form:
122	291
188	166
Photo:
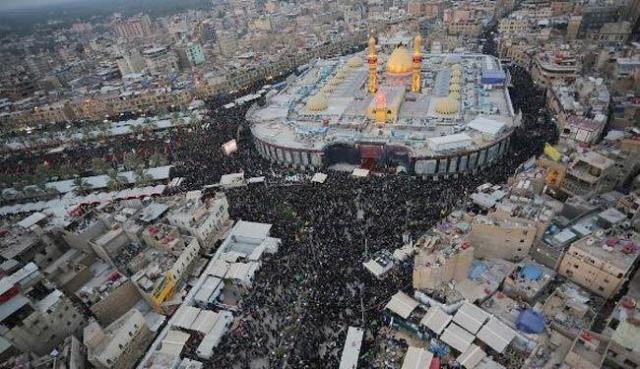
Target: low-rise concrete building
119	345
600	264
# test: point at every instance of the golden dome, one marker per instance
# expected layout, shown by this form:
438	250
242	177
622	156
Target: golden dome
446	106
355	62
456	73
317	102
400	61
454	87
455	79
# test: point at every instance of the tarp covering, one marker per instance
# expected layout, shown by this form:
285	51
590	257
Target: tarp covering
531	272
530	321
477	270
552	152
493	77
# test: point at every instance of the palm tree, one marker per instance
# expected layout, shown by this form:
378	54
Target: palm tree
142	178
116	181
103	131
66	170
81	186
136	129
99	165
133	161
149	124
42	173
157	160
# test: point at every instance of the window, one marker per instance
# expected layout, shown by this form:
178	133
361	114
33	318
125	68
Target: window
600	288
630	363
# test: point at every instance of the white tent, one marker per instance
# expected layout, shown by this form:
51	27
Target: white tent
470	317
436	320
450	142
488	127
351	351
402	305
496	334
472	357
456	337
417	358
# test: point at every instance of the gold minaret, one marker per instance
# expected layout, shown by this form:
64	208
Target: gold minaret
416	81
372	60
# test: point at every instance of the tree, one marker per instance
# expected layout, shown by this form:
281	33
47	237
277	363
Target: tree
41	173
103	131
157	160
133	161
116	181
81	186
66	170
99	165
136	129
142	178
149	125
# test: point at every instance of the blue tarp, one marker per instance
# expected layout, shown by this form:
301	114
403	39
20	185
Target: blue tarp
531	272
438	348
493	77
530	321
477	269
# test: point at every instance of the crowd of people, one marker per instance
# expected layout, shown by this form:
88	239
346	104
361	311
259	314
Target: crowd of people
308	294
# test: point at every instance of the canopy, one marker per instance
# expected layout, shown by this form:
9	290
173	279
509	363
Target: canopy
531	272
530	321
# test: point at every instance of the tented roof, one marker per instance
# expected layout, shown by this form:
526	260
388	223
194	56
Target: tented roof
496	334
456	337
402	305
470	317
472	357
487	126
436	320
351	350
417	358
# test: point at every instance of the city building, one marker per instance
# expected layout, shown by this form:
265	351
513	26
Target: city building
600	264
36	318
205	219
120	344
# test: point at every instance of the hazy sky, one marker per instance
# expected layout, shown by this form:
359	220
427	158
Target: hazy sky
17	4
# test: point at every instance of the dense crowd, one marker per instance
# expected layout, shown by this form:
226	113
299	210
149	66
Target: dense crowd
76	159
308	294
